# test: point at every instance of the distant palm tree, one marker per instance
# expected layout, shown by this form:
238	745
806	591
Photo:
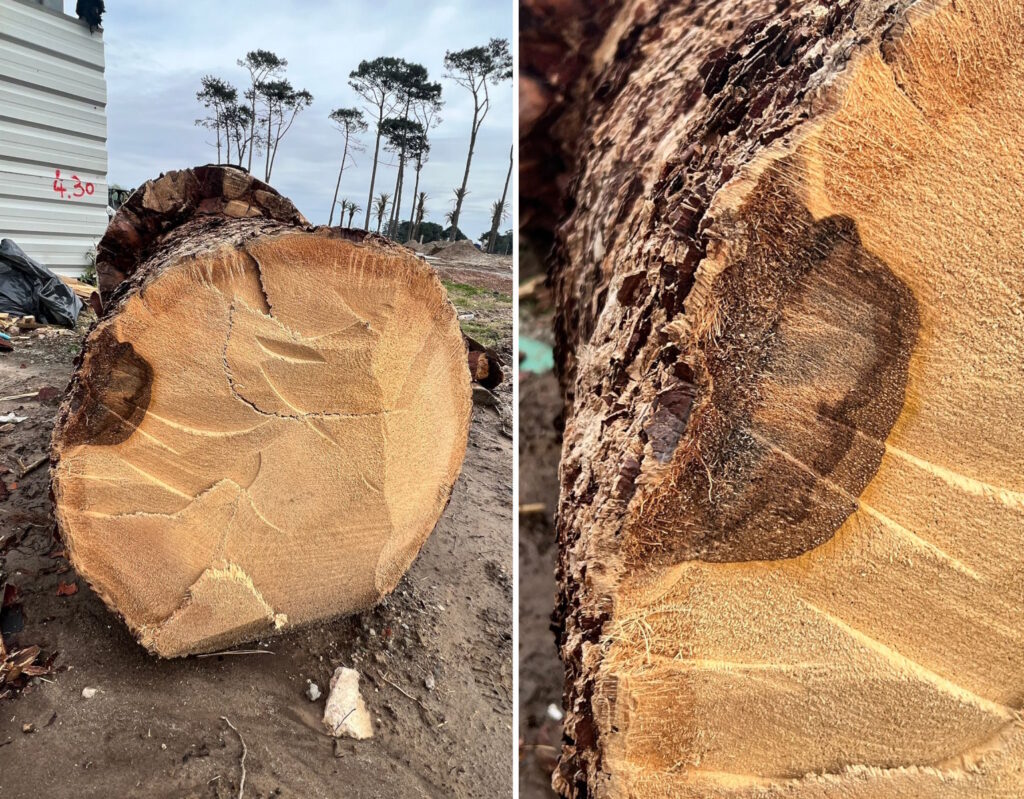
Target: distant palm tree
353	209
380	207
451	217
499	212
421	213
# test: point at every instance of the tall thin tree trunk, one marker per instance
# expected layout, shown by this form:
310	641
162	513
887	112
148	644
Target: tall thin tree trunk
373	172
252	129
270	122
273	157
396	204
497	218
415	194
465	176
334	203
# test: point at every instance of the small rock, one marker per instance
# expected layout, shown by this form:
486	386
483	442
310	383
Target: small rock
28	727
312	691
88	693
483	397
554	712
48	394
346	715
430	682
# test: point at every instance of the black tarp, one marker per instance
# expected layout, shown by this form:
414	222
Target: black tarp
30	289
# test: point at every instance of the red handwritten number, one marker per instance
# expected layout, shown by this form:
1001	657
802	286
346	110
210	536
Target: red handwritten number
80	189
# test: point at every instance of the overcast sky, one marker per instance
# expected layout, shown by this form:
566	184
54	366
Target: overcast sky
157	52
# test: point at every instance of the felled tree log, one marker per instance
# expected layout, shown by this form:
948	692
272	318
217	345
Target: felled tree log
484	364
789	286
261	431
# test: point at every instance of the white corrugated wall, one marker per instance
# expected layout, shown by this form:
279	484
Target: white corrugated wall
53	97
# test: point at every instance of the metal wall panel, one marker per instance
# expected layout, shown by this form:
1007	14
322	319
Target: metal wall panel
53	130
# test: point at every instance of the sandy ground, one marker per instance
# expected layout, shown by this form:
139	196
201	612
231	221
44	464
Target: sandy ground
155	728
463	263
540	671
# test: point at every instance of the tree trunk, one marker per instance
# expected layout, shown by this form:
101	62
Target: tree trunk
788	278
252	128
337	186
496	222
373	174
415	194
263	427
270	118
397	201
465	177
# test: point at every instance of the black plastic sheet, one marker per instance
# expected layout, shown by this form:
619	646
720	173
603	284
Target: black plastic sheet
29	289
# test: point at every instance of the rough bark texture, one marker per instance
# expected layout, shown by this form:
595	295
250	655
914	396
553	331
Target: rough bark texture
164	203
786	263
265	424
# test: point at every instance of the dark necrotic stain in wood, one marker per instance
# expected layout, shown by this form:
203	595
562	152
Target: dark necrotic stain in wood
808	377
110	395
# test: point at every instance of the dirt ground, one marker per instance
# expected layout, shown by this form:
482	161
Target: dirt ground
540	671
155	728
463	263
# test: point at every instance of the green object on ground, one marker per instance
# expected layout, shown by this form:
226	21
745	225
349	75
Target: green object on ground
536	356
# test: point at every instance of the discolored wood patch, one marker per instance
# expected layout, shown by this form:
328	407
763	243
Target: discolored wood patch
803	373
112	396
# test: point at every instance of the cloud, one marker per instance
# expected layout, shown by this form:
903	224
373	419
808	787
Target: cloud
157	52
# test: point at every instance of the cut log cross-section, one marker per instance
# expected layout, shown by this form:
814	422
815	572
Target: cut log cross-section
791	312
262	430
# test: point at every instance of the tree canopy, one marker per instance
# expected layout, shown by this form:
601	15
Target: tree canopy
487	63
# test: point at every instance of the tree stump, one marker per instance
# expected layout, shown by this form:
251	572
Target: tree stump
262	429
791	311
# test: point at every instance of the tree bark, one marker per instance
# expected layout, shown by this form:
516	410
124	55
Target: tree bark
396	204
415	195
264	425
140	225
373	171
461	196
786	265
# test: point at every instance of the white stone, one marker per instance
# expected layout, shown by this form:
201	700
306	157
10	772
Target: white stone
346	715
88	693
